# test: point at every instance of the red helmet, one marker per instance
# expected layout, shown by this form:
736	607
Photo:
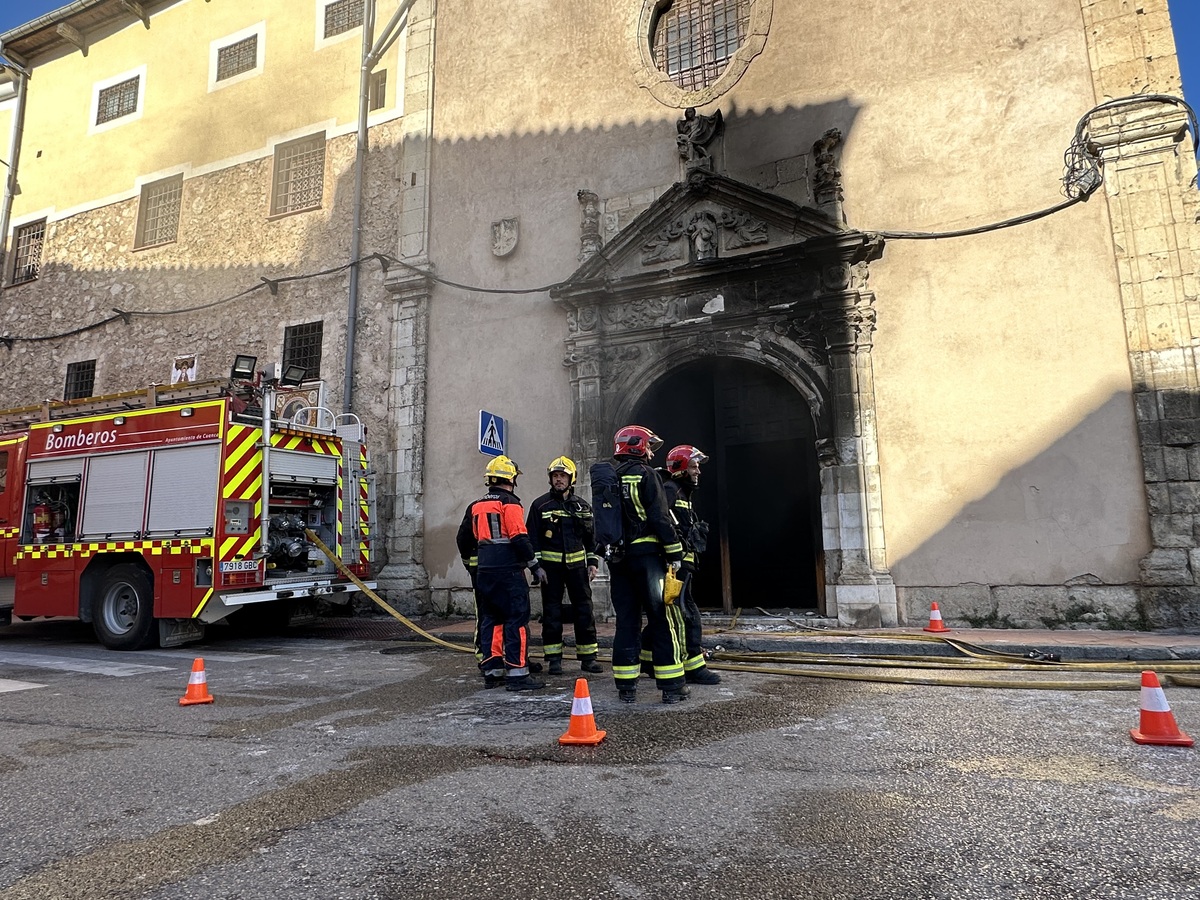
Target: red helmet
634	440
679	457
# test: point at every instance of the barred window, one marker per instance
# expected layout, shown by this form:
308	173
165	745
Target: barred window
118	100
377	91
158	212
342	15
237	58
302	347
694	39
81	380
299	175
27	252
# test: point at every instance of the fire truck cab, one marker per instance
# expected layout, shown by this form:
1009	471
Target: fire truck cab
151	514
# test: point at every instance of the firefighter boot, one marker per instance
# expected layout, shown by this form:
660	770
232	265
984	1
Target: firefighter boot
675	694
703	675
523	683
553	665
627	694
589	664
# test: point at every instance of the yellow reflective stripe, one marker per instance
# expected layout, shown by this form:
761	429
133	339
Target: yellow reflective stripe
577	556
633	481
552	649
674	548
693	663
550	556
666	672
582	650
683	504
627	673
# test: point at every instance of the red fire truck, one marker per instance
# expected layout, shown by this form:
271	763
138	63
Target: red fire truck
151	514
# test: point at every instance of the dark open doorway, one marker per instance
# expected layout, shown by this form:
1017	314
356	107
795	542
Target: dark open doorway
760	491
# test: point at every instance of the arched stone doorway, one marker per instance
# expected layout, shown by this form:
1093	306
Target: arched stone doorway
760	492
718	271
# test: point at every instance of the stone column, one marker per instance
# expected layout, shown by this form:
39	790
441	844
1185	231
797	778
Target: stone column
404	576
859	587
1149	169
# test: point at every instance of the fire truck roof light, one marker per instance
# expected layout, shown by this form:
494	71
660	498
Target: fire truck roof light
186	411
293	376
118	420
243	366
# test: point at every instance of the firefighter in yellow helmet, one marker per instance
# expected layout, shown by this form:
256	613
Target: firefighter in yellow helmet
493	533
563	536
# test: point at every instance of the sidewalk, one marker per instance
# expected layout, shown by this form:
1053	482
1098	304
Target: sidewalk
768	634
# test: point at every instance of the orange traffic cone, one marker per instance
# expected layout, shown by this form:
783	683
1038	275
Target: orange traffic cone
582	729
197	689
936	624
1158	724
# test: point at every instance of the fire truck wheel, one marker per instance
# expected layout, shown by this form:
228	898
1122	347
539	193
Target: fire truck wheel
123	613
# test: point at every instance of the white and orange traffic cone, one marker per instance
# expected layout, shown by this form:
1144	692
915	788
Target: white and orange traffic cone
197	689
582	729
936	625
1157	724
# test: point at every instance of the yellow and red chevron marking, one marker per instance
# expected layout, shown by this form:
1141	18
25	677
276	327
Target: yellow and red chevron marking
312	443
184	547
364	509
242	480
9	532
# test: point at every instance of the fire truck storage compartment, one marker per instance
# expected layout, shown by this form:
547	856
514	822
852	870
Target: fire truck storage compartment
183	490
51	501
293	508
114	500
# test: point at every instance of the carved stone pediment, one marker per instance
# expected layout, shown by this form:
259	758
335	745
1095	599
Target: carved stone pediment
705	221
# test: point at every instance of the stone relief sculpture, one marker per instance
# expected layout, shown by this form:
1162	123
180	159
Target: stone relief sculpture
589	226
702	229
663	246
827	177
742	230
694	133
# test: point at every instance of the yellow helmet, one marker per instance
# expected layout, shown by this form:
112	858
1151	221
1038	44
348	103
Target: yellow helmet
562	464
501	468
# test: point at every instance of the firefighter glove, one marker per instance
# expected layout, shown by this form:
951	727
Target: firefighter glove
539	576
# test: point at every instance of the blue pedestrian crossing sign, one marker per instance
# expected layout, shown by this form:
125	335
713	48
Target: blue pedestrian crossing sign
492	433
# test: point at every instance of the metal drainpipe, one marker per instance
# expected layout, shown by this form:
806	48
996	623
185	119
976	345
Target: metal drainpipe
14	156
268	409
370	58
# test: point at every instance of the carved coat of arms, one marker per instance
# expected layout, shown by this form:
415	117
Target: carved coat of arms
504	236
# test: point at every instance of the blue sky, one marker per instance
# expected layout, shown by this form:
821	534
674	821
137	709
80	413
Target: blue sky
1185	16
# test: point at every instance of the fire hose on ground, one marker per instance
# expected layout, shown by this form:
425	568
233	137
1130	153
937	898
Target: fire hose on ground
1007	670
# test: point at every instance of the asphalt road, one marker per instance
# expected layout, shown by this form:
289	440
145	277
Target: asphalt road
330	769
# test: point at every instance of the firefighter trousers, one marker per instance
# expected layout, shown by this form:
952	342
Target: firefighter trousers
684	618
502	598
574	581
637	589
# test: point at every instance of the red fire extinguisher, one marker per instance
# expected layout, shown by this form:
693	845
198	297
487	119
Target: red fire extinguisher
41	522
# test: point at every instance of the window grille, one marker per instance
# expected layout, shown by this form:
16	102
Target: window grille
342	15
237	58
27	251
302	347
694	39
299	175
81	380
377	92
117	100
158	212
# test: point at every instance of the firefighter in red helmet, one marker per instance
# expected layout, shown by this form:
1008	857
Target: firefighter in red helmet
493	533
562	532
650	546
683	477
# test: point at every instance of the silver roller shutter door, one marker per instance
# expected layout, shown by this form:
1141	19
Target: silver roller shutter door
114	500
62	469
183	489
303	468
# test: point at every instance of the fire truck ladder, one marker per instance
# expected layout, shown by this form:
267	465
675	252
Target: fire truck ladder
154	395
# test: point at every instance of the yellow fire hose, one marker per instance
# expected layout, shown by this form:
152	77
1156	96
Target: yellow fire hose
982	659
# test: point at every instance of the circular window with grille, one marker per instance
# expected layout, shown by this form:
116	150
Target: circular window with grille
692	51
